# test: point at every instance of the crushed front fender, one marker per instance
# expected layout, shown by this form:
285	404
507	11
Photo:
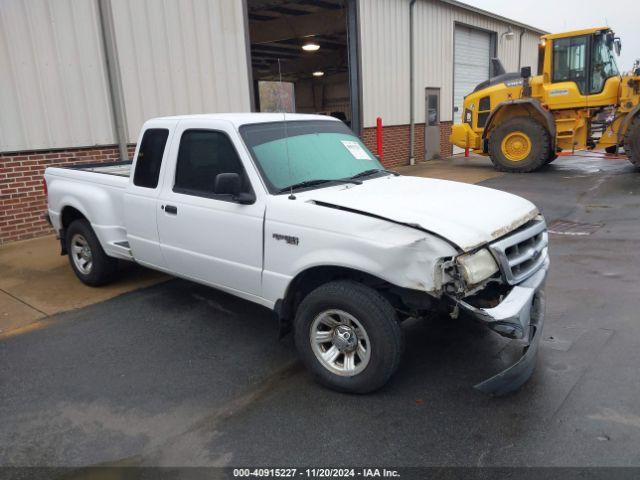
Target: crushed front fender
520	316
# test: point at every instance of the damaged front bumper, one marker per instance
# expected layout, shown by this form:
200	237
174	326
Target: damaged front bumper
519	316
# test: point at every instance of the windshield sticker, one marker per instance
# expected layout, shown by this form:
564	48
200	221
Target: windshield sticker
356	150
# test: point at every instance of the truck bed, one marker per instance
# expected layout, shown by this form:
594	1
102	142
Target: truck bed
121	169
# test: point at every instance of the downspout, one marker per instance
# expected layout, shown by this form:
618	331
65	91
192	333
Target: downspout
522	32
116	96
412	124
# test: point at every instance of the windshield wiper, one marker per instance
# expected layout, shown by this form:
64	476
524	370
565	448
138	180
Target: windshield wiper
371	171
319	181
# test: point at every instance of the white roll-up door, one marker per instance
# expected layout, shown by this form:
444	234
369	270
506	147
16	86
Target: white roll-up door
472	54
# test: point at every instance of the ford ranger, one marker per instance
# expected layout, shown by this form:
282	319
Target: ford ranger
295	213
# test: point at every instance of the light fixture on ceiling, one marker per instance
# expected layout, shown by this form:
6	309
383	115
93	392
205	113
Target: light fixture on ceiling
318	73
310	47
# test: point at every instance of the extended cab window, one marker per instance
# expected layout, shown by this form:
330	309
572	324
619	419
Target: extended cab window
570	61
150	157
203	154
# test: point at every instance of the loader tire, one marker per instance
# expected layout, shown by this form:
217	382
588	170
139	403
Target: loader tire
551	158
632	142
520	145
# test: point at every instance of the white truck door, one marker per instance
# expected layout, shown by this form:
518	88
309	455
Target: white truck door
141	199
205	235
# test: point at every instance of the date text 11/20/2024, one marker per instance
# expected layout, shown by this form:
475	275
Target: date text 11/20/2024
315	473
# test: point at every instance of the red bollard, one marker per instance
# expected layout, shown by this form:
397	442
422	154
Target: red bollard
379	137
466	153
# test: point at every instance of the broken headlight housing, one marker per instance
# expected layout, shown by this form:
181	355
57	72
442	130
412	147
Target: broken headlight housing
476	267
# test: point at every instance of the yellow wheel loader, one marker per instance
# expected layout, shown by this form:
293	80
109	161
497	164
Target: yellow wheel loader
579	101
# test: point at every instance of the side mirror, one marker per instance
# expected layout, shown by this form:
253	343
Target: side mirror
617	45
230	184
525	72
227	184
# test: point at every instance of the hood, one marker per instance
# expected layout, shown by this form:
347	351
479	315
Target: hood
466	215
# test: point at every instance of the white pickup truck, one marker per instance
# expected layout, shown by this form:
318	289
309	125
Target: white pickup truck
297	215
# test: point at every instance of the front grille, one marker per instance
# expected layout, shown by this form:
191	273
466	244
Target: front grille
521	253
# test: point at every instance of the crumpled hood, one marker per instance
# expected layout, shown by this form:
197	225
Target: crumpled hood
466	215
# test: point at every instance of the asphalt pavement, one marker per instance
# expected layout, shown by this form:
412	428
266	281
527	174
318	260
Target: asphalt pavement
179	374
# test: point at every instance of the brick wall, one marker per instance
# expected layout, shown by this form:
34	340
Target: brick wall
395	143
22	199
446	148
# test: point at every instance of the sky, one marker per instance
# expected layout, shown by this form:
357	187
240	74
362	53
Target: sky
561	15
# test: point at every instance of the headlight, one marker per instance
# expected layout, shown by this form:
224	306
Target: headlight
476	267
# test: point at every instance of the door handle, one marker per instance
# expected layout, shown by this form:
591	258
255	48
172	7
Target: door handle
171	209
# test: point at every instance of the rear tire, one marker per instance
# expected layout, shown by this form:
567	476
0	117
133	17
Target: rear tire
520	145
348	336
632	142
87	258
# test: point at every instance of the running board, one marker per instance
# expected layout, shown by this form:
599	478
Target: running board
122	248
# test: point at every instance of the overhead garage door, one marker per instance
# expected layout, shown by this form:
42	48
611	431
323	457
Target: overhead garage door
472	57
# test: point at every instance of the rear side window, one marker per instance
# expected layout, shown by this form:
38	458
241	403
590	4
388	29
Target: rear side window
150	157
204	154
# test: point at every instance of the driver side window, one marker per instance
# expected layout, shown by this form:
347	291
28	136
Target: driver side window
203	154
570	61
603	65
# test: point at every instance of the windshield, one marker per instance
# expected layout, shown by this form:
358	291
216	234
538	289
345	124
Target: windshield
312	150
603	63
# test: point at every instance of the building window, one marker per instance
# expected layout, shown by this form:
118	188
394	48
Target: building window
432	110
149	158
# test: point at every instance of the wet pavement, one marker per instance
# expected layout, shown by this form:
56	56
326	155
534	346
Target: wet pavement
179	374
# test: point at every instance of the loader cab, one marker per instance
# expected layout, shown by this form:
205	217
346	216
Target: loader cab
579	69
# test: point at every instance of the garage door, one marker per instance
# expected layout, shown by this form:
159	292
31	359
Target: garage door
472	54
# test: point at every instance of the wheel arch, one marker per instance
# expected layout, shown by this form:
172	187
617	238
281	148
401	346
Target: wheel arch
626	123
311	278
515	108
68	214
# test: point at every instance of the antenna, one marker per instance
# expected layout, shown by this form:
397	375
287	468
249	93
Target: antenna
286	134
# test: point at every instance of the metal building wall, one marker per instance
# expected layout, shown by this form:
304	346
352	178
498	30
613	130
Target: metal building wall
181	57
53	88
385	55
175	57
530	42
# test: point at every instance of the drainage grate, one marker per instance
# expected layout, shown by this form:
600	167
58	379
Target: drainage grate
566	227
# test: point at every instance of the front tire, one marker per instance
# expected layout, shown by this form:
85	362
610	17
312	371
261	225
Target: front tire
87	258
520	145
348	336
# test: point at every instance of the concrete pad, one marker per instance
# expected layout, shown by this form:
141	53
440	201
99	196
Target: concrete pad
468	170
37	281
15	314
